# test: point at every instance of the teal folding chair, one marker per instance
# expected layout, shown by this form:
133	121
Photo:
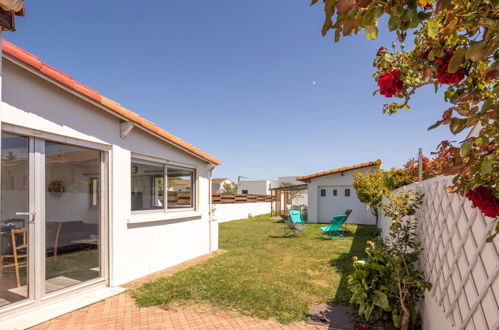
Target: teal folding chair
335	229
296	218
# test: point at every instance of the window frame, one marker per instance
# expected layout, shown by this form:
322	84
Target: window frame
349	192
166	165
322	192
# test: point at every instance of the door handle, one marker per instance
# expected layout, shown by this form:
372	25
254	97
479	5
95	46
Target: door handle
29	214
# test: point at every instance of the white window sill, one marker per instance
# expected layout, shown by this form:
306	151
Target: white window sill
152	217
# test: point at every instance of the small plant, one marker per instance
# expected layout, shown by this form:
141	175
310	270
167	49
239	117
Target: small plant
387	285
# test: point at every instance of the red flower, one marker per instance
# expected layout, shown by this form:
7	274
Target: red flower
381	50
443	75
483	198
389	83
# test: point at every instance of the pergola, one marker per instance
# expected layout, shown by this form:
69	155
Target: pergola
281	197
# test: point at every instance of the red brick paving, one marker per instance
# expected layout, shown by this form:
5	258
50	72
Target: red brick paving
121	312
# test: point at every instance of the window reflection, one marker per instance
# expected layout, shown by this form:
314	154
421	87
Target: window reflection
147	187
72	214
180	188
13	226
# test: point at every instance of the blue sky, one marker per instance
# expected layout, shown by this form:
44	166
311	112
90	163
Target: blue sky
253	83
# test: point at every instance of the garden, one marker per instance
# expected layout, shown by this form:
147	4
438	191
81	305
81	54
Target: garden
264	273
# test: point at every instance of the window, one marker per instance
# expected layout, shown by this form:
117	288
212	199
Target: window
147	186
180	188
245	191
335	192
323	192
151	180
347	192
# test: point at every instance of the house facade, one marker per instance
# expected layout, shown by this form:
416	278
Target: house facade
257	187
92	195
331	192
217	184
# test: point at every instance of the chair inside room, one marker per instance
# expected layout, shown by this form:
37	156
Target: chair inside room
19	254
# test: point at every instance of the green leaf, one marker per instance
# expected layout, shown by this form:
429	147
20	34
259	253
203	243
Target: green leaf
457	125
466	148
414	22
486	106
456	60
380	299
371	32
368	17
487	166
393	23
480	141
477	52
433	27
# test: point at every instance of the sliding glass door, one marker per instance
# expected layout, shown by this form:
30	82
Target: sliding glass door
51	217
72	215
14	219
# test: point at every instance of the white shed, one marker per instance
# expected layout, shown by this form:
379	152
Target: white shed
331	192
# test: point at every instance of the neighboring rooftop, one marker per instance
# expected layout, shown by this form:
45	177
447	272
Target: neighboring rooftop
112	107
338	170
218	180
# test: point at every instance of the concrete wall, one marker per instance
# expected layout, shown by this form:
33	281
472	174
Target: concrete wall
228	212
256	187
362	213
135	249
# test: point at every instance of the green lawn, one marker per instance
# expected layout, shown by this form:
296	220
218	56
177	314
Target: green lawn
263	274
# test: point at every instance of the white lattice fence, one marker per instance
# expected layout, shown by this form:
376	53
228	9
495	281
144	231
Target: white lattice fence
461	266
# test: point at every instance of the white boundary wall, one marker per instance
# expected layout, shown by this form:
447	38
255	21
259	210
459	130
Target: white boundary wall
236	211
461	266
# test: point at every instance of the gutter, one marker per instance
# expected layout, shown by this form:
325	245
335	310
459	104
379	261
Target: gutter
210	203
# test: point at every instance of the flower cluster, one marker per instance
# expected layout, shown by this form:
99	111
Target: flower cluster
483	198
431	168
381	50
389	83
443	75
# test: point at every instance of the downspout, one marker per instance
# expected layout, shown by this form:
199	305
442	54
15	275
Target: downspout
210	203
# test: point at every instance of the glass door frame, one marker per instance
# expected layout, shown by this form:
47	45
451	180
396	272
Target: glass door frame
36	219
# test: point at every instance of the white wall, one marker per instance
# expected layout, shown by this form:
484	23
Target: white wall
236	211
361	215
135	250
462	267
256	187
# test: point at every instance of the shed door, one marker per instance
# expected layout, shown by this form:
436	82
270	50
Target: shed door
330	204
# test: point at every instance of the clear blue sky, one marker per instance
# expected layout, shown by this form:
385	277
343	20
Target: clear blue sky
236	79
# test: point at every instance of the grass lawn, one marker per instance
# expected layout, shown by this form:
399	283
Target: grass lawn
263	274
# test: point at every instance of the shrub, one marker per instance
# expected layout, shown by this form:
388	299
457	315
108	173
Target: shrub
387	285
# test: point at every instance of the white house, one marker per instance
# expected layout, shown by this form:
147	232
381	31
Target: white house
258	187
95	195
217	184
331	192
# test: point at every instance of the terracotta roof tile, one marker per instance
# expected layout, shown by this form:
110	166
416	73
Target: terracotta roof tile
218	180
338	170
115	107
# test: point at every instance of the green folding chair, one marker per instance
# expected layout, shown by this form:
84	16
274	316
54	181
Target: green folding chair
296	218
335	229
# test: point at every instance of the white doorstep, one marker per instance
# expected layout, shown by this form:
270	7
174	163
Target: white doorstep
53	310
